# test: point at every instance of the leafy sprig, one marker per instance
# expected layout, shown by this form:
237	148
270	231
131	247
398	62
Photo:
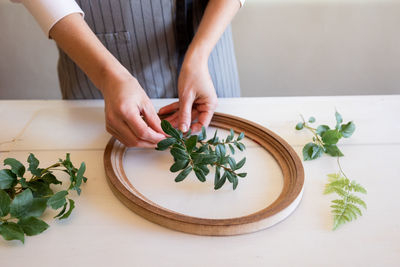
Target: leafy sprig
325	139
23	200
348	207
195	153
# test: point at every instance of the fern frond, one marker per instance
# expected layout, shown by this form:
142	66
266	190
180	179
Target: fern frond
357	188
355	199
346	208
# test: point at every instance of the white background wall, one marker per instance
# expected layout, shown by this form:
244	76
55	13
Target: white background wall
283	47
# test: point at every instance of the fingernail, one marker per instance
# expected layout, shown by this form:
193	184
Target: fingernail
183	127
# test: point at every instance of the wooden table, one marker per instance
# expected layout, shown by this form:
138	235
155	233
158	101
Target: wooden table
102	232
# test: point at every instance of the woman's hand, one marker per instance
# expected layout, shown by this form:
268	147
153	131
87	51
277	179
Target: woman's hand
125	105
197	97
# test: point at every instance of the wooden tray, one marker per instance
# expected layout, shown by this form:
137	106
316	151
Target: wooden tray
282	207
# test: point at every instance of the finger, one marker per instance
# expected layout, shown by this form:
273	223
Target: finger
175	119
169	108
152	118
204	119
185	110
141	130
125	136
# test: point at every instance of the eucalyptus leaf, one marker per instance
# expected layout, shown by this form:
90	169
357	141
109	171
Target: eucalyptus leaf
12	231
57	200
33	165
7	179
71	207
16	167
32	225
21	204
347	129
5	202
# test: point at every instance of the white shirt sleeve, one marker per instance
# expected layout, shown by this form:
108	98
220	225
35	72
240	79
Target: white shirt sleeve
49	12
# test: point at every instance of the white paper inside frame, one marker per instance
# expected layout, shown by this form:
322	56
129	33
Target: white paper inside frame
148	171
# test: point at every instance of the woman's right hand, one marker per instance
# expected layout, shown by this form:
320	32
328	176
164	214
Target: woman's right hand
130	115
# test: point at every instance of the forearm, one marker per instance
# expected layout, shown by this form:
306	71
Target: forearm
74	37
216	18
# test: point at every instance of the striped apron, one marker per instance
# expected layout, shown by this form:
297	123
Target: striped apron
142	35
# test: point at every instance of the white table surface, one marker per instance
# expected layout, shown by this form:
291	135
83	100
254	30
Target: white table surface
102	231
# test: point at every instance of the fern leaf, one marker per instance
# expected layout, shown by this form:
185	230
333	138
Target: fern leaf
346	208
357	188
355	209
355	199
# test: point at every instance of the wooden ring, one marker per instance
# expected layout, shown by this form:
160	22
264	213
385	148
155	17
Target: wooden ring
282	207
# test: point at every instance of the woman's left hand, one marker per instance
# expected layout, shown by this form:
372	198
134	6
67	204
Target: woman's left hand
197	97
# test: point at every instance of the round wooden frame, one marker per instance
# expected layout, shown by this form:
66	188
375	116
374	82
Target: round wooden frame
282	207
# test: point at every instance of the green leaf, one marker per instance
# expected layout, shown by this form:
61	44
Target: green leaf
232	163
57	200
240	145
339	119
322	129
240	137
311	119
50	179
16	167
79	176
199	174
243	174
331	137
183	174
312	151
203	134
214	139
168	129
179	154
202	159
21	204
235	182
348	129
71	207
40	188
240	164
33	165
190	143
334	151
204	169
37	208
5	202
232	149
299	126
220	182
166	143
220	150
179	165
62	211
7	179
32	225
217	175
12	231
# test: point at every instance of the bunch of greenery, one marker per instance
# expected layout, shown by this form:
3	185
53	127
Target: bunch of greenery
194	153
325	139
23	201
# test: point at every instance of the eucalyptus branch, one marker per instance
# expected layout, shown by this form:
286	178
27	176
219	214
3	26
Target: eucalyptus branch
25	200
194	153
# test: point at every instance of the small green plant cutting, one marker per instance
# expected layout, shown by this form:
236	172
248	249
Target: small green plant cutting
325	139
194	153
23	200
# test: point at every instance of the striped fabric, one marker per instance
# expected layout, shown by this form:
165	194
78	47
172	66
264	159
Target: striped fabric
141	35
